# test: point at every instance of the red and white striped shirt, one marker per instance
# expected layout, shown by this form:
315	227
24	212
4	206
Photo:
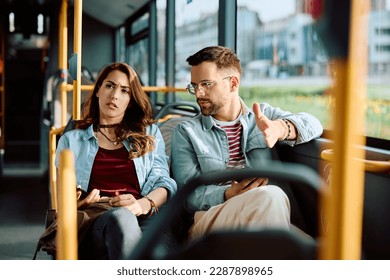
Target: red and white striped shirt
234	131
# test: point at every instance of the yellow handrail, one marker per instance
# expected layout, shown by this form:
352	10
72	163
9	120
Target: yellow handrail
68	87
343	208
54	132
78	9
165	89
67	209
53	174
376	166
63	55
67	217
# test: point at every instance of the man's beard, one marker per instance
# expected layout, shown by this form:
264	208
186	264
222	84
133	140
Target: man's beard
211	108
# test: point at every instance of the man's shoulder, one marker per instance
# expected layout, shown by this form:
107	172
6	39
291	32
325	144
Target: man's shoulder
188	126
189	122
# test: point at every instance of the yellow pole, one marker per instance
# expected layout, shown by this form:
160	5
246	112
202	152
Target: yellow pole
78	8
67	209
53	175
344	206
164	89
62	58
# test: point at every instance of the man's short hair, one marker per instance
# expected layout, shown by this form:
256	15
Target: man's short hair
223	57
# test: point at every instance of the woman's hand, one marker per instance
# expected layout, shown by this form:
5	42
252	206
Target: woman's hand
93	196
141	206
243	186
128	201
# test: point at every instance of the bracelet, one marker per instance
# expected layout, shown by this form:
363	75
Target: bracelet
289	129
286	130
153	207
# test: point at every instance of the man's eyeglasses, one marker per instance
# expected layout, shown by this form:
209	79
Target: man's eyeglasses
203	86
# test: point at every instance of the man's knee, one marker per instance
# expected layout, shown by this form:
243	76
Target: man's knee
270	194
270	201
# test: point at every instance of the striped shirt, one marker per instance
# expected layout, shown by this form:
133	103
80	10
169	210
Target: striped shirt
233	131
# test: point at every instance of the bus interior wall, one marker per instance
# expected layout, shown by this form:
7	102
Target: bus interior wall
24	84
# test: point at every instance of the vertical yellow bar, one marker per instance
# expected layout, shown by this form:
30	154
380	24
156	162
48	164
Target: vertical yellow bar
344	206
67	209
62	57
53	175
78	8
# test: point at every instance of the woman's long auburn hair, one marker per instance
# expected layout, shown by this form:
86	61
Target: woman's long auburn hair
138	114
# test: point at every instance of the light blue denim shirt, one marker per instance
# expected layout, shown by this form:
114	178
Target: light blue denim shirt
201	146
152	169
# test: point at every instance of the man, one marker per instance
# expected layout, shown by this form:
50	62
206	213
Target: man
226	135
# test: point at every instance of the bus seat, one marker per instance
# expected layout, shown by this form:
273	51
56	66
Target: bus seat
375	232
268	244
305	222
182	108
166	131
167	117
261	244
171	115
174	113
300	206
70	125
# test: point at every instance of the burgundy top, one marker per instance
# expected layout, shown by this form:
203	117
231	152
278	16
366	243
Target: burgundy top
114	173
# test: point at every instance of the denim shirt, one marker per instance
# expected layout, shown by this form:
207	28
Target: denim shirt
201	146
152	169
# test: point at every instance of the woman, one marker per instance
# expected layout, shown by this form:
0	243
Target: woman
120	158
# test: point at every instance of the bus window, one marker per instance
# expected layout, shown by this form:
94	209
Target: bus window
138	50
378	86
138	57
161	30
196	27
284	62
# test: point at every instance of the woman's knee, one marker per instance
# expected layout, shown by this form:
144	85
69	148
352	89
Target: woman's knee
122	219
122	233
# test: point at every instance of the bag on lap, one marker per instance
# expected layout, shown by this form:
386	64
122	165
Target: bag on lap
85	218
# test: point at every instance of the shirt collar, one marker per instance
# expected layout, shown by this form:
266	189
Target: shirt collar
89	133
208	122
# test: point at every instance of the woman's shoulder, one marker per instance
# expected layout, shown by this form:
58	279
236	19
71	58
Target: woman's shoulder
152	129
78	133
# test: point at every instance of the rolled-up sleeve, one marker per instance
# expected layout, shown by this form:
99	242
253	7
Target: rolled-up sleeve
308	126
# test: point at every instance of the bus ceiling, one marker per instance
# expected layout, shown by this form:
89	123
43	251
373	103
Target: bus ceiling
23	15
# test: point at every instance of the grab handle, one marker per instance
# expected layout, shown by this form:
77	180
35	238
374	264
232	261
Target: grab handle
377	166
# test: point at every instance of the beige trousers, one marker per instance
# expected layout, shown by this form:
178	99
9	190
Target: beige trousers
263	207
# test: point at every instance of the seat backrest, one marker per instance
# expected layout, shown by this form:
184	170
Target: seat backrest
183	108
267	244
171	115
70	125
310	186
303	222
166	129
